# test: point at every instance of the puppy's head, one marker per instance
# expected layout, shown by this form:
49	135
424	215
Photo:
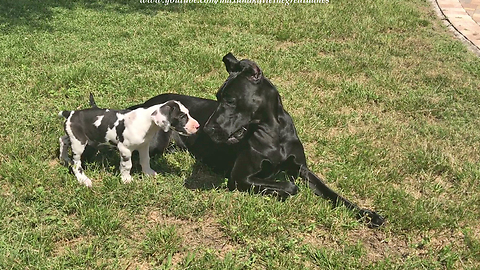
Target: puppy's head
173	115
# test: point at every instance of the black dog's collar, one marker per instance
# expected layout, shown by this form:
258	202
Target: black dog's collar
236	136
179	131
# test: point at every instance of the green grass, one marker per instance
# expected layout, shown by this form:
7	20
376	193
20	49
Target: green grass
384	98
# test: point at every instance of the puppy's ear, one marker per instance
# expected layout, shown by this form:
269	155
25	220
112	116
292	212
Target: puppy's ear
167	108
230	62
160	120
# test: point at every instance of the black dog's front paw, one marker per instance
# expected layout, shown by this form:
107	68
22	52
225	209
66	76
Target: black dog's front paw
373	219
288	190
291	189
231	185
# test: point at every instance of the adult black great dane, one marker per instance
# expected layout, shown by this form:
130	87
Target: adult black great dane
247	136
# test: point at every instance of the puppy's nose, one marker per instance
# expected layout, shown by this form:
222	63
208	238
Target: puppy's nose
196	126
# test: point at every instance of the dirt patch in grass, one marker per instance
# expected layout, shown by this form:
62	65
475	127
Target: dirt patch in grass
196	235
379	245
62	248
53	163
284	45
137	265
5	189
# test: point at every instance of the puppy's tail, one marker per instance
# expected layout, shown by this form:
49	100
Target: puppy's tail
92	102
64	114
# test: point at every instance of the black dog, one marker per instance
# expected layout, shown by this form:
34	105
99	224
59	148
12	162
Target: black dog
249	137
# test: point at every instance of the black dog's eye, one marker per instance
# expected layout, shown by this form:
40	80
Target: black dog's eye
183	116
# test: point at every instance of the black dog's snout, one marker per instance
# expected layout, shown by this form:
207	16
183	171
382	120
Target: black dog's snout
215	133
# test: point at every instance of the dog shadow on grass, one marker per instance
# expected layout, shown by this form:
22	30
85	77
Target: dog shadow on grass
109	159
202	178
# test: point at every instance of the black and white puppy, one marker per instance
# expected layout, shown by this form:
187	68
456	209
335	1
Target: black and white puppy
128	130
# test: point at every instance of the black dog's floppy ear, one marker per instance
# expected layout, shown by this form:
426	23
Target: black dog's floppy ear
230	61
256	73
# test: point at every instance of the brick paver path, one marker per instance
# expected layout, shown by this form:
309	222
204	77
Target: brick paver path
464	15
472	7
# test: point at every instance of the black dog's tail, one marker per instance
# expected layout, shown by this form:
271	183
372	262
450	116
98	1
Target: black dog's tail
92	102
321	189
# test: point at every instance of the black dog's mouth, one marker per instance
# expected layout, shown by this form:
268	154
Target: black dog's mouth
237	135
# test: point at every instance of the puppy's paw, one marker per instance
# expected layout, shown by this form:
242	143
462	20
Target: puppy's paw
126	179
65	161
88	183
150	172
83	180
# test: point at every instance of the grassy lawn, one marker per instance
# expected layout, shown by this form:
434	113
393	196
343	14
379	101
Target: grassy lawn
385	100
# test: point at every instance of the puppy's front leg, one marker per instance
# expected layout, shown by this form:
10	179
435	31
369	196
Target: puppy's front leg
145	160
125	163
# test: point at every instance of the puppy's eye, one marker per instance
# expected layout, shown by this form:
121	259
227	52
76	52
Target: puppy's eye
183	116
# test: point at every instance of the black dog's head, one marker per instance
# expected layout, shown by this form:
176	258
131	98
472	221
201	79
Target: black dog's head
246	99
